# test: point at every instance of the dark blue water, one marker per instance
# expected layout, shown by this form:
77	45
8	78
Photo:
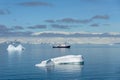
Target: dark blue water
102	62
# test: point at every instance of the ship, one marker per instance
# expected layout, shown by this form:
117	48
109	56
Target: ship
61	46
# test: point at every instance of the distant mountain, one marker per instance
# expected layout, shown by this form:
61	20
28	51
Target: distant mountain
75	34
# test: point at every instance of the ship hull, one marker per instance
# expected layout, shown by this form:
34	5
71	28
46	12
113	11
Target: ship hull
61	46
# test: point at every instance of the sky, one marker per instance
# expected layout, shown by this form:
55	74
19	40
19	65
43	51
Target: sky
25	17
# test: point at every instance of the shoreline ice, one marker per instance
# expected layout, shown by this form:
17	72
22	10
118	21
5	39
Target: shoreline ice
70	40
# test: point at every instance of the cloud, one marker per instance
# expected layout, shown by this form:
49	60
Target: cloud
35	3
105	17
18	28
77	21
90	0
15	34
25	33
68	20
85	21
60	26
50	21
4	29
4	12
38	27
72	20
95	25
106	24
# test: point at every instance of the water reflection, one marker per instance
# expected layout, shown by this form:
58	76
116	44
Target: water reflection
62	50
68	68
65	68
49	68
14	56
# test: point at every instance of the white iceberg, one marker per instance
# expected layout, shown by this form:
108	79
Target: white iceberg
12	48
69	59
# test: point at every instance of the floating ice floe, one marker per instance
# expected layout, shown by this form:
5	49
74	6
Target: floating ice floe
12	48
69	59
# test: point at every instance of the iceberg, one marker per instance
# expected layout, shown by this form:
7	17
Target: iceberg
68	59
12	48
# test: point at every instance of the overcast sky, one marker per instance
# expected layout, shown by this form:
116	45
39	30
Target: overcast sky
23	17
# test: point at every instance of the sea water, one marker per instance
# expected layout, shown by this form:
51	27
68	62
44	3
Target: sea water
101	62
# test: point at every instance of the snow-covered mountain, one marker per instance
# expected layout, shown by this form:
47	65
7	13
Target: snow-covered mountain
75	34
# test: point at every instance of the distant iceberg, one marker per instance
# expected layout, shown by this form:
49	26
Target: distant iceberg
69	59
12	48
